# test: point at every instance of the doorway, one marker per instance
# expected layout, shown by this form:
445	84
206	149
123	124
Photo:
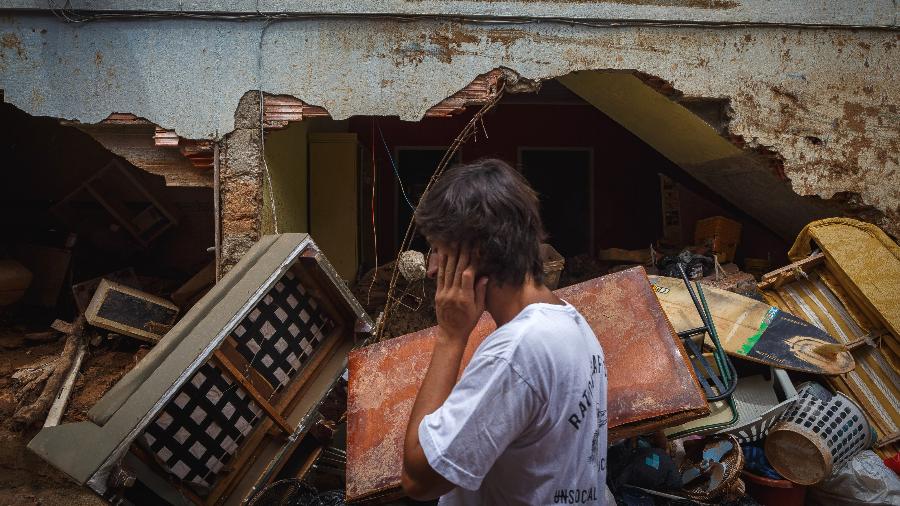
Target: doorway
562	177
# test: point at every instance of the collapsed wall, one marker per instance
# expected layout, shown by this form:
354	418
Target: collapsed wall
823	101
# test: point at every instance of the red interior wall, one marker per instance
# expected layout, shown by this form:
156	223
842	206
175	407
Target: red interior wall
627	211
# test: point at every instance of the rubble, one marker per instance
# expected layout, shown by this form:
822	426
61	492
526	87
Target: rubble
39	386
412	265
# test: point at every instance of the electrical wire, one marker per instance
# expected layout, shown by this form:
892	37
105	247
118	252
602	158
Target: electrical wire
467	132
374	228
396	171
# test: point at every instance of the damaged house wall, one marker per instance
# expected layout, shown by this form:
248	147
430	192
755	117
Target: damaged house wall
820	100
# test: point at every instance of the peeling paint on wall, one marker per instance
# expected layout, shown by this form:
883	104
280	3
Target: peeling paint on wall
825	100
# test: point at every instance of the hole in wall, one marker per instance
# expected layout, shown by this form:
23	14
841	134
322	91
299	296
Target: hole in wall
601	186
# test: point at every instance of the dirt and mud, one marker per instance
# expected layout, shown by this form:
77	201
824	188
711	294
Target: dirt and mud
24	478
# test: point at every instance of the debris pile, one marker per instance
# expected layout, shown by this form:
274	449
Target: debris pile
741	337
720	421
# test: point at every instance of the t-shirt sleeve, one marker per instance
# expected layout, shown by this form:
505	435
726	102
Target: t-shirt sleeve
489	407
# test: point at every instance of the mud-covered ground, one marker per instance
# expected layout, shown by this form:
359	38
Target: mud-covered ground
25	478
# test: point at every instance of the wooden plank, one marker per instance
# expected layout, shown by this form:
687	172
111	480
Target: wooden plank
129	311
754	331
292	394
789	272
256	379
240	464
58	408
258	397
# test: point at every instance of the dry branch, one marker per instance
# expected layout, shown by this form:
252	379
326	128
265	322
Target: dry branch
51	376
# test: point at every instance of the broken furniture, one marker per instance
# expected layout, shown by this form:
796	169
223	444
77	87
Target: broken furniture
755	331
122	197
229	398
651	385
711	468
718	383
131	312
849	289
83	292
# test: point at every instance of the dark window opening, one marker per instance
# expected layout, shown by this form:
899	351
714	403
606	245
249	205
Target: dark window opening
415	166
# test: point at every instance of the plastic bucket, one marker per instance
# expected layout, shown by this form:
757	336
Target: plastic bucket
769	492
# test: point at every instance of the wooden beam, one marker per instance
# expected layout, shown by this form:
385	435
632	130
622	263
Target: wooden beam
263	403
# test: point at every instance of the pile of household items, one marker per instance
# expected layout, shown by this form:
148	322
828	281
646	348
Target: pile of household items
274	388
51	295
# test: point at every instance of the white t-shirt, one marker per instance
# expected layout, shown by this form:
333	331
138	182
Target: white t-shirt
526	424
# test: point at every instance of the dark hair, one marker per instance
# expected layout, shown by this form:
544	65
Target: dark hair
490	206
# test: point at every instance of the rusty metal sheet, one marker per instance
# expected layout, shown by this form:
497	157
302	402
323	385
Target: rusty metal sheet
650	382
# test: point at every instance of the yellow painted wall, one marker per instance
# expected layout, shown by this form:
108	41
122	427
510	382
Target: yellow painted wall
334	197
286	158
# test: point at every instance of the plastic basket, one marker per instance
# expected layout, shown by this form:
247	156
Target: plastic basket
722	234
817	435
758	413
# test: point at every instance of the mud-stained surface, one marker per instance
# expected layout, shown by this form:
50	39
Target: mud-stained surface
99	373
25	478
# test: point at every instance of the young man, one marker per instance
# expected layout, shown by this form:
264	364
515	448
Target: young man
526	423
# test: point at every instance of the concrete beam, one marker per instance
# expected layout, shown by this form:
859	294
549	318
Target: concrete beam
872	13
688	141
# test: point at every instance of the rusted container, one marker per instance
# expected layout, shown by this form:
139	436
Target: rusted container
651	384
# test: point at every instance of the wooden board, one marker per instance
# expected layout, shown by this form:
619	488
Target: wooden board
129	311
753	330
